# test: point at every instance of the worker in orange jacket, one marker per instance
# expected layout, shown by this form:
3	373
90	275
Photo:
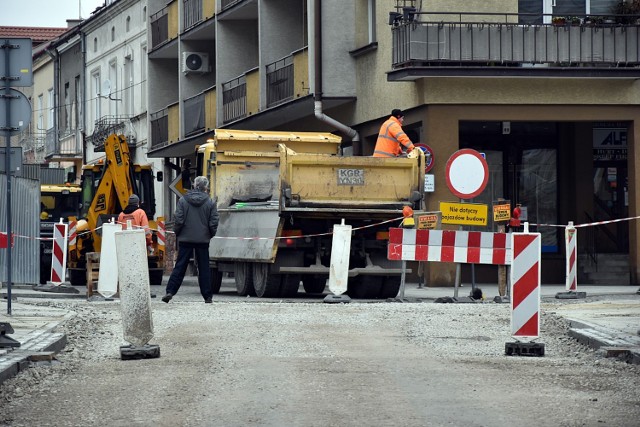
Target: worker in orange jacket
137	216
391	138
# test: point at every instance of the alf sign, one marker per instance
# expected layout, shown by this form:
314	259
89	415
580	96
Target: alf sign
609	144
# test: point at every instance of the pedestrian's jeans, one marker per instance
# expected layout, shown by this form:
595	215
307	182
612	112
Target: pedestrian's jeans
204	274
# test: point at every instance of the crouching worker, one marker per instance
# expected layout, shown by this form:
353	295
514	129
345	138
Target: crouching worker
195	224
138	217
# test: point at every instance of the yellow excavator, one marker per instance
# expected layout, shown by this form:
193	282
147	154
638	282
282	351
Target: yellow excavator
106	187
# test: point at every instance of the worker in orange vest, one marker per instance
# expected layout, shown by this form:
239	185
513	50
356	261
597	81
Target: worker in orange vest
138	217
391	138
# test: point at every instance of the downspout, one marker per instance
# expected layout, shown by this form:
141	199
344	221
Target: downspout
55	55
317	77
83	98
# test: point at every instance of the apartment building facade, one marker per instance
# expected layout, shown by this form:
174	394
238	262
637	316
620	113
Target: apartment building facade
554	108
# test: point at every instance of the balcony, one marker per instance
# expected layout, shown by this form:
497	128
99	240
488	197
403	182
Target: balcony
462	45
67	147
234	99
159	122
286	77
107	125
193	117
164	25
196	11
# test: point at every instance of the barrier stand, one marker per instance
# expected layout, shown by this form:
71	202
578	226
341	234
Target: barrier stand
58	262
570	244
135	299
339	267
408	222
525	294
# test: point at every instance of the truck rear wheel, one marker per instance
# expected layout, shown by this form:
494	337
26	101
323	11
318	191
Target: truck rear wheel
243	274
216	280
267	285
78	276
364	287
390	287
314	284
290	285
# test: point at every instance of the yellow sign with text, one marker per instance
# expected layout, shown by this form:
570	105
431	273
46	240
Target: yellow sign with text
501	213
427	221
464	213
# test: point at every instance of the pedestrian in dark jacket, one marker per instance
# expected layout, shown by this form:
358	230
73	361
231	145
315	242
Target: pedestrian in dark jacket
196	222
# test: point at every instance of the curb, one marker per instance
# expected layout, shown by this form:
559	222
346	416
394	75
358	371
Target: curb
17	360
610	342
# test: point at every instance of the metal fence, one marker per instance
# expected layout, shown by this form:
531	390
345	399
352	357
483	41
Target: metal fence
25	225
234	99
191	13
194	110
159	27
280	81
159	128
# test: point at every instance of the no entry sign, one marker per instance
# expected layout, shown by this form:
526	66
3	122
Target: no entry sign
467	173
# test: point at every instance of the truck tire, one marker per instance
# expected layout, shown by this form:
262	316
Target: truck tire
243	274
216	280
290	285
155	276
314	284
364	287
78	276
267	285
390	287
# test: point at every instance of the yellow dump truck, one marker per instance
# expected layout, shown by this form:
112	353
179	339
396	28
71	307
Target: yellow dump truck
279	194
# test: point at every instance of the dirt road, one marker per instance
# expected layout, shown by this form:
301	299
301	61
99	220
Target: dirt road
303	364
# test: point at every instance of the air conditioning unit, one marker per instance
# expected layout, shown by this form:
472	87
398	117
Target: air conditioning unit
195	62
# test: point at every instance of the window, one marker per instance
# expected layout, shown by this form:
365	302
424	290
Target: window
128	24
77	103
128	87
113	83
95	44
144	14
51	101
95	92
67	107
113	33
143	79
40	110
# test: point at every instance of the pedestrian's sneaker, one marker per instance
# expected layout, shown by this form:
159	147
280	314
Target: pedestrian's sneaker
167	297
208	300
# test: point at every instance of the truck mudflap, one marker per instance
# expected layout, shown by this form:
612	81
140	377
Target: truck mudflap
246	234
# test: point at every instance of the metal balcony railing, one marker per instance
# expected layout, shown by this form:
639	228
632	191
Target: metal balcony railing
159	128
228	3
108	125
159	27
50	143
280	81
191	13
234	99
502	40
193	117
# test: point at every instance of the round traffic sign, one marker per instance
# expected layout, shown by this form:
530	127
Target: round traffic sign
428	156
467	173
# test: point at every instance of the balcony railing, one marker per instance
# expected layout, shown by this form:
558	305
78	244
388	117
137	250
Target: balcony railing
191	13
193	117
425	41
228	3
159	27
107	125
159	128
68	145
234	99
280	81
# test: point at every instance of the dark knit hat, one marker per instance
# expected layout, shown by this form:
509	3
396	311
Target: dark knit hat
134	200
397	113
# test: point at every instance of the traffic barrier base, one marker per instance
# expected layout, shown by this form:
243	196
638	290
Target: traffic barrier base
335	299
147	351
571	295
58	289
531	349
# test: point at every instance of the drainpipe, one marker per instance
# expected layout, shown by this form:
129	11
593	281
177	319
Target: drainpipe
55	56
317	77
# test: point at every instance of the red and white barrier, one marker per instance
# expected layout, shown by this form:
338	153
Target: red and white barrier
59	253
525	284
473	247
4	240
571	242
73	234
162	238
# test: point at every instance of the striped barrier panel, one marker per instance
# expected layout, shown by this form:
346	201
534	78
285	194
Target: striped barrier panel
73	233
473	247
571	241
59	253
525	285
162	239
